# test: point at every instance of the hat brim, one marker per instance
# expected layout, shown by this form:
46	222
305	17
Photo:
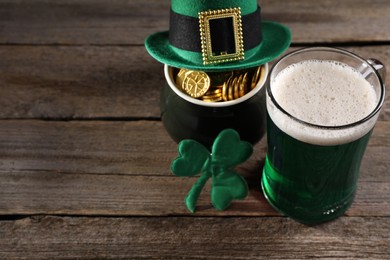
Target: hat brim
276	39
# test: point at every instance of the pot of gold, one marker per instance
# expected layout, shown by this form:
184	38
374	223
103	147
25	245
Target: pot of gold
198	105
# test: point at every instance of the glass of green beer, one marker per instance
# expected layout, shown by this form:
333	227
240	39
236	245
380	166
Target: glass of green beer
322	104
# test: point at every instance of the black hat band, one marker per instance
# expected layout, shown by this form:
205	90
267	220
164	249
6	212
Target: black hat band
184	32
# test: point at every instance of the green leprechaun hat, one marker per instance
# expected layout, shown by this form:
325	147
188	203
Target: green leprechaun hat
218	35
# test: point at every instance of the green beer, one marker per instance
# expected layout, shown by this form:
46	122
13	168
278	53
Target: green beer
326	183
320	115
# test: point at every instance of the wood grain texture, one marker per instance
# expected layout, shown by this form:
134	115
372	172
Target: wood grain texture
127	148
75	22
193	238
31	193
332	21
78	82
95	82
91	147
122	168
130	22
92	180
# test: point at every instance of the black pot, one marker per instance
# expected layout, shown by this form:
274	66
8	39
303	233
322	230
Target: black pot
185	117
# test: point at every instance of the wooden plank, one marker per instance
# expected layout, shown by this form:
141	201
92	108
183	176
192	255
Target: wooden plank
75	22
130	22
332	21
95	82
122	168
31	193
192	238
78	82
97	147
128	148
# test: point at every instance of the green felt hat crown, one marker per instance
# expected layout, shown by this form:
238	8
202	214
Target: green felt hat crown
218	35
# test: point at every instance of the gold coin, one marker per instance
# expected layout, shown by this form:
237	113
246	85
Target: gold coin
256	76
242	88
231	89
214	91
212	95
237	87
196	83
262	74
180	77
215	99
225	88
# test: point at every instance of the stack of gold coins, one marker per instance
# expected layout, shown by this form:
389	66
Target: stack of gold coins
213	95
217	87
235	87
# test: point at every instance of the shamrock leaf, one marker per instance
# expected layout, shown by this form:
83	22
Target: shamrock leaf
226	187
227	151
191	160
193	157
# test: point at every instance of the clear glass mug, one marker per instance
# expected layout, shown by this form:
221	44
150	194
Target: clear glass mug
312	168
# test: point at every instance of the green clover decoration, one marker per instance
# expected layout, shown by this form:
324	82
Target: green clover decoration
227	152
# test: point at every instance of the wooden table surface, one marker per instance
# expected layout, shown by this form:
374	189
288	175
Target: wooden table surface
85	160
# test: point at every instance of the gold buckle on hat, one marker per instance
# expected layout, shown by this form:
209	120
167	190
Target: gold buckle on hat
210	57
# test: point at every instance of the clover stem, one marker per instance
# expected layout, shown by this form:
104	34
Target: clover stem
195	191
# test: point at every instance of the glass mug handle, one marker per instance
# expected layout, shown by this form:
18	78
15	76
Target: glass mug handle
378	66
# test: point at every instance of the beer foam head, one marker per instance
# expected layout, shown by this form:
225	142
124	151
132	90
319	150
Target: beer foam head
323	93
